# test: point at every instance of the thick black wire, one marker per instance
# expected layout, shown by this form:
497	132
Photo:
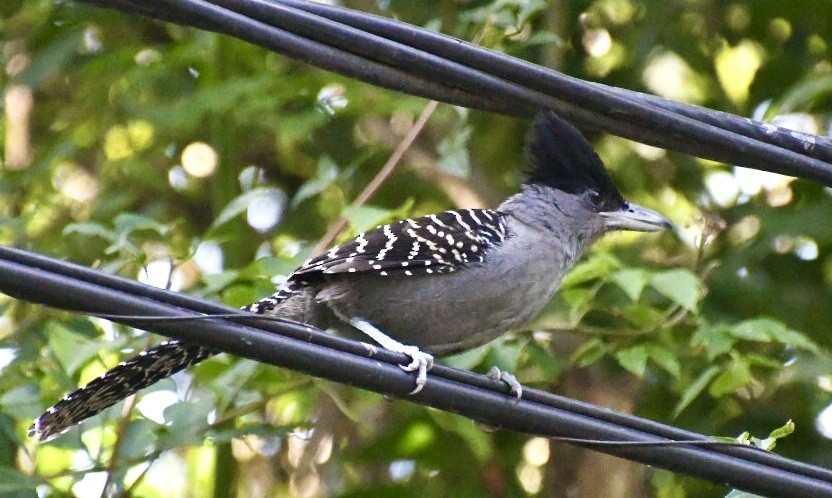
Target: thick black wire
211	17
596	98
384	62
550	81
43	280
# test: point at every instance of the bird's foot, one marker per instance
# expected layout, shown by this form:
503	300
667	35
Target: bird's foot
508	379
421	361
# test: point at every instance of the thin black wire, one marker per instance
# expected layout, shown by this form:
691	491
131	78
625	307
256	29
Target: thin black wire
43	280
353	52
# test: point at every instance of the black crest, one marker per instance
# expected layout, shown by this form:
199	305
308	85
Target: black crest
560	157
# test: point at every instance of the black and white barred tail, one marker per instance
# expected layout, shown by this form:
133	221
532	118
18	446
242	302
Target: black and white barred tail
147	368
129	377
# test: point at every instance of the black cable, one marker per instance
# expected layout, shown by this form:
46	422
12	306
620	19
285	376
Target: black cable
205	15
46	281
550	81
587	104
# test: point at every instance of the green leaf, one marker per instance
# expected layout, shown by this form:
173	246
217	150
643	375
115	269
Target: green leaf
578	302
545	366
680	286
91	229
768	330
633	359
631	281
238	295
453	152
668	485
786	429
127	223
545	38
218	281
643	316
760	360
597	267
799	340
757	330
13	481
695	388
505	357
254	429
138	440
469	359
50	60
22	402
326	175
70	348
589	352
665	359
363	218
185	422
417	437
716	340
736	376
271	266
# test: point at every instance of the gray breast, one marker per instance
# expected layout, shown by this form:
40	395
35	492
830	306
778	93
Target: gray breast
451	312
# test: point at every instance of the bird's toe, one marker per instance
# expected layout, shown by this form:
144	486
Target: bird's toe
421	363
507	379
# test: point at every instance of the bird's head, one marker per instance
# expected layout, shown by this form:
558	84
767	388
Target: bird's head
564	167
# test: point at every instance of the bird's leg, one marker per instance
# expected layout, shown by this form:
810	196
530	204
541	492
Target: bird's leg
508	379
422	362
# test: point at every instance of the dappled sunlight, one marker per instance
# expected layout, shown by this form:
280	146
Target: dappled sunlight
178	178
123	141
18	103
199	159
668	75
266	210
823	422
777	187
75	182
723	188
332	98
91	485
161	273
530	472
153	405
209	257
736	67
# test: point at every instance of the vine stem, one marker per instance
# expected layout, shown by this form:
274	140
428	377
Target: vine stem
383	174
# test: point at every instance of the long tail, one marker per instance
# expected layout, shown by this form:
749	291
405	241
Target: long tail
128	377
148	368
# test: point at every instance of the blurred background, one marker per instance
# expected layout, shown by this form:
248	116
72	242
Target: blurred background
198	162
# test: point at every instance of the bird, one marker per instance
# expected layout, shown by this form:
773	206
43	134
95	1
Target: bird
434	285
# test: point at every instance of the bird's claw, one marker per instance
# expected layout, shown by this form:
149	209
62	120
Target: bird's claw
421	363
508	379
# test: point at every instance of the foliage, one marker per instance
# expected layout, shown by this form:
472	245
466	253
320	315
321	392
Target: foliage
199	162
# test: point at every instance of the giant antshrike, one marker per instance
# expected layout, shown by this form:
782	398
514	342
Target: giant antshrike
437	284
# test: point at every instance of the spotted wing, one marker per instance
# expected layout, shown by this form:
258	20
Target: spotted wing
438	243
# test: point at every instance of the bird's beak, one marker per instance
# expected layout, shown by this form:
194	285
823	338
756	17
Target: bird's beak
636	218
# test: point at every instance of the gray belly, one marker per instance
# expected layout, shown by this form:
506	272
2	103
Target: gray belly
448	313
